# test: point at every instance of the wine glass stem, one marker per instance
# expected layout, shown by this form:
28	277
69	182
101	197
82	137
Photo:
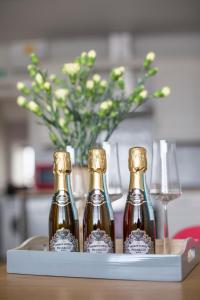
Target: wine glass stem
166	233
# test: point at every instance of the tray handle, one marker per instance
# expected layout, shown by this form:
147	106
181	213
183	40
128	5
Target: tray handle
191	254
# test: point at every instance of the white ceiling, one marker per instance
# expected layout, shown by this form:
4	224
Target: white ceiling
25	19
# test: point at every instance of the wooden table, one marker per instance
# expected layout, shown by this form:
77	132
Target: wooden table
24	287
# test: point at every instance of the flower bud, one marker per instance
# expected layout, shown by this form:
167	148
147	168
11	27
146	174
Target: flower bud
149	59
34	58
152	72
91	58
47	86
106	105
83	58
39	79
23	88
117	73
61	122
103	84
96	78
22	101
143	94
63	125
151	56
78	89
20	86
31	70
48	107
90	85
166	91
92	54
52	77
34	107
71	69
61	93
138	89
36	87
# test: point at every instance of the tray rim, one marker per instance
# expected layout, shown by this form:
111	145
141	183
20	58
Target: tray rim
160	267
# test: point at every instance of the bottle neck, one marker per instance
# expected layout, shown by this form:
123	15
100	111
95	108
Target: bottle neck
137	180
60	182
96	181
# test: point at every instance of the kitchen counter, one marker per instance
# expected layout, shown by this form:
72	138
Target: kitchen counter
42	287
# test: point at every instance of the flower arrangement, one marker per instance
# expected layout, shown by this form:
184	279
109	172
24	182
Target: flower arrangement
78	105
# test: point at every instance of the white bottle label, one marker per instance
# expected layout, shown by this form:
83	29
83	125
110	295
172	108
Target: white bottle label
63	240
138	242
98	242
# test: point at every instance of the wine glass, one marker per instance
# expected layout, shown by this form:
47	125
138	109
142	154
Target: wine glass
165	183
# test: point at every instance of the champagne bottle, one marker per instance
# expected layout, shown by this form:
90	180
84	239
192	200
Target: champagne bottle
98	222
63	217
139	223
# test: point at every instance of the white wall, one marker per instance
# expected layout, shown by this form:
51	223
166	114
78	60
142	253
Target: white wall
176	117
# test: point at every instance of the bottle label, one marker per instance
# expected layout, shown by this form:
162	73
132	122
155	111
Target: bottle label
98	242
138	242
96	198
136	197
62	200
63	240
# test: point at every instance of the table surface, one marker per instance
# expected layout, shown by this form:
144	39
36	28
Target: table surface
26	287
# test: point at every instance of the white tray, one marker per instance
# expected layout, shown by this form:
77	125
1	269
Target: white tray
33	257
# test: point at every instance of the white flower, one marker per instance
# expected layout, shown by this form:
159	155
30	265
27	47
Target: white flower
103	84
143	94
79	89
61	93
106	105
52	77
83	54
122	69
21	101
92	54
20	86
39	78
118	72
89	84
47	86
166	91
96	78
34	107
71	69
61	122
48	108
151	56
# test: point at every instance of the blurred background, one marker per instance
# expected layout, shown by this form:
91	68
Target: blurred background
121	32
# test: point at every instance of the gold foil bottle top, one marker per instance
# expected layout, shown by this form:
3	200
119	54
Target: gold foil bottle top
137	159
97	160
62	162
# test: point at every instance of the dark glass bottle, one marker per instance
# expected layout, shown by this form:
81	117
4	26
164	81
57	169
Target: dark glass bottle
63	217
98	221
139	223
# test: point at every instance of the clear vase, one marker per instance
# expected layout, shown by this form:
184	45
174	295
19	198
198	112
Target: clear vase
80	178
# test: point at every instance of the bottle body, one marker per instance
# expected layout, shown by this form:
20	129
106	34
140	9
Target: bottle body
98	221
139	224
63	217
